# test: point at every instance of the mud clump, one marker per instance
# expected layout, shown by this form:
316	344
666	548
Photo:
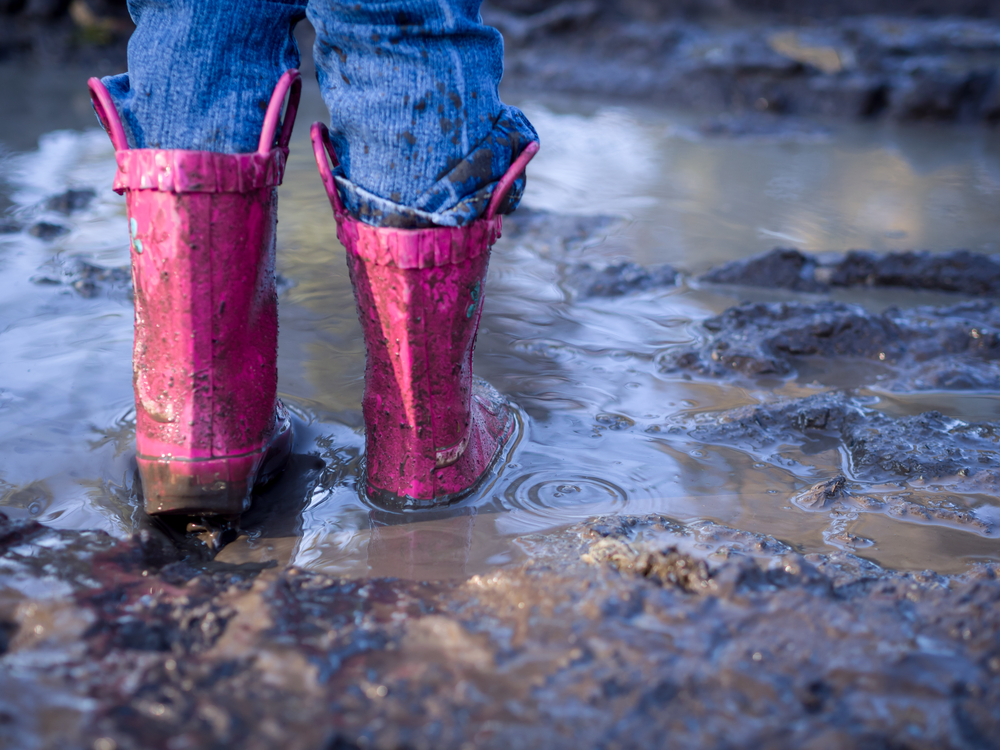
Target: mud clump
618	279
89	280
556	234
972	274
71	201
668	566
956	347
881	448
47	231
619	631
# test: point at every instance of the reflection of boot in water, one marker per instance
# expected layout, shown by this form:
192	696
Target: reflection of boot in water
432	431
209	425
434	547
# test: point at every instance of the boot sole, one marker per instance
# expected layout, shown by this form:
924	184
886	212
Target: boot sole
218	486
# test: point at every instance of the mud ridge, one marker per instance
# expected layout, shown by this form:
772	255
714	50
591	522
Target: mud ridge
881	448
955	347
617	632
961	271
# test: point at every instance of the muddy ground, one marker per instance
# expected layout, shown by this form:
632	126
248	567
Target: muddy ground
620	632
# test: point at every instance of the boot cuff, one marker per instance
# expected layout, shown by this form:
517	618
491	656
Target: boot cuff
417	248
180	171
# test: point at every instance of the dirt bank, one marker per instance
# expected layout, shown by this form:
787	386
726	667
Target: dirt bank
614	633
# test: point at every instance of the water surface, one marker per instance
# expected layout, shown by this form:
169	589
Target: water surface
582	372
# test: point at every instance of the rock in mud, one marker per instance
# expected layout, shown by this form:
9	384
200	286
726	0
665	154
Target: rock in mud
716	637
618	279
556	234
956	347
71	201
47	231
881	448
90	280
782	268
972	274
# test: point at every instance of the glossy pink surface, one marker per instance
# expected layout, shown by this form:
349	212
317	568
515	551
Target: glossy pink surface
432	430
206	317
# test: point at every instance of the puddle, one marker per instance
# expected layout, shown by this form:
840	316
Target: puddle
584	373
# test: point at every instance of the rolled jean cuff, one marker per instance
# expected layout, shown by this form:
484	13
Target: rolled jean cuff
458	196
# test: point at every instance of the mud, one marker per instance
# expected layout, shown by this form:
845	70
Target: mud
614	633
618	279
879	447
87	279
925	347
960	271
742	58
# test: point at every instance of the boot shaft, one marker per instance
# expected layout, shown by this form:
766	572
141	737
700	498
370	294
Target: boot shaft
206	321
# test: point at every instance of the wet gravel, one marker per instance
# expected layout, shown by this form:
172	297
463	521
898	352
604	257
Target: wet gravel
614	633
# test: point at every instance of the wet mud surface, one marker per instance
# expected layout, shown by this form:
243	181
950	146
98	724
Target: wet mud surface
614	633
747	57
960	271
953	347
878	447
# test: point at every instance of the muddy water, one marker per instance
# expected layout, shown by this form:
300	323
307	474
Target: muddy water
582	372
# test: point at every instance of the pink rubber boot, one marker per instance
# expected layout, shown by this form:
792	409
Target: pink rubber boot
209	425
432	431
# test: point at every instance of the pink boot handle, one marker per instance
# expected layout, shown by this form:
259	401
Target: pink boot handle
507	181
320	135
108	113
290	78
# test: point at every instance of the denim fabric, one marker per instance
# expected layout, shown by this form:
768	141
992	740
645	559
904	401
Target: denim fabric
200	74
411	85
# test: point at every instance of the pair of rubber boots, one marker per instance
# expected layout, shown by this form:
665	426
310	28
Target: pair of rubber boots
209	425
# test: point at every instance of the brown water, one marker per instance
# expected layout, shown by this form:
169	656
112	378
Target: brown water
582	373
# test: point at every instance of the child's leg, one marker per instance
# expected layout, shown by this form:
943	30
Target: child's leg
416	118
201	72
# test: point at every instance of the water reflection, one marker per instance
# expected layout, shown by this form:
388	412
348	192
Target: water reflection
594	406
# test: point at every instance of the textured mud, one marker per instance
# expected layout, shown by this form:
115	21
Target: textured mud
954	347
927	60
617	279
960	271
880	448
614	633
775	57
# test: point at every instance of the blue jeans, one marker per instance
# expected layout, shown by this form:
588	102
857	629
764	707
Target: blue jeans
411	85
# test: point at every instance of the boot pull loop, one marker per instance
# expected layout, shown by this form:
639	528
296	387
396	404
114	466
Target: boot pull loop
507	181
322	146
289	79
107	113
